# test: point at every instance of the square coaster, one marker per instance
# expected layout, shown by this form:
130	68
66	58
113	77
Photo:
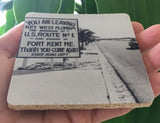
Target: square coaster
68	61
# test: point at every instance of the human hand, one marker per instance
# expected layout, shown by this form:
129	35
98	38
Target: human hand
149	45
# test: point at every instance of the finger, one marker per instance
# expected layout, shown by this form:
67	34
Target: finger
148	38
155	83
106	114
152	59
6	66
137	27
57	117
9	42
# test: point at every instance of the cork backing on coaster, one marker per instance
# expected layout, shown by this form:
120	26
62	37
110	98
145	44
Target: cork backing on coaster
81	107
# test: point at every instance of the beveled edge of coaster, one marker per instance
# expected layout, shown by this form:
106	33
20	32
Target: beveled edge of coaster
79	106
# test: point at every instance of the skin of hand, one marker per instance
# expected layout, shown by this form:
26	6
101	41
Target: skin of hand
149	45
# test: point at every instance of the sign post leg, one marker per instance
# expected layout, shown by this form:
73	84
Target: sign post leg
24	64
52	63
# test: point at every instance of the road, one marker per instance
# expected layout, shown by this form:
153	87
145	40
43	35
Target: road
129	67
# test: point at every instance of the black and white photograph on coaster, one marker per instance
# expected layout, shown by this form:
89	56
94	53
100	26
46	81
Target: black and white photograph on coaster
78	62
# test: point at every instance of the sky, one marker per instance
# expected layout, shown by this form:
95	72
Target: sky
108	25
104	25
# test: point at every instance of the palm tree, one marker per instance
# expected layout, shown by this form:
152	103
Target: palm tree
85	37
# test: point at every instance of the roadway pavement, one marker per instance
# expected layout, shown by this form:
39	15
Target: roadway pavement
129	66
